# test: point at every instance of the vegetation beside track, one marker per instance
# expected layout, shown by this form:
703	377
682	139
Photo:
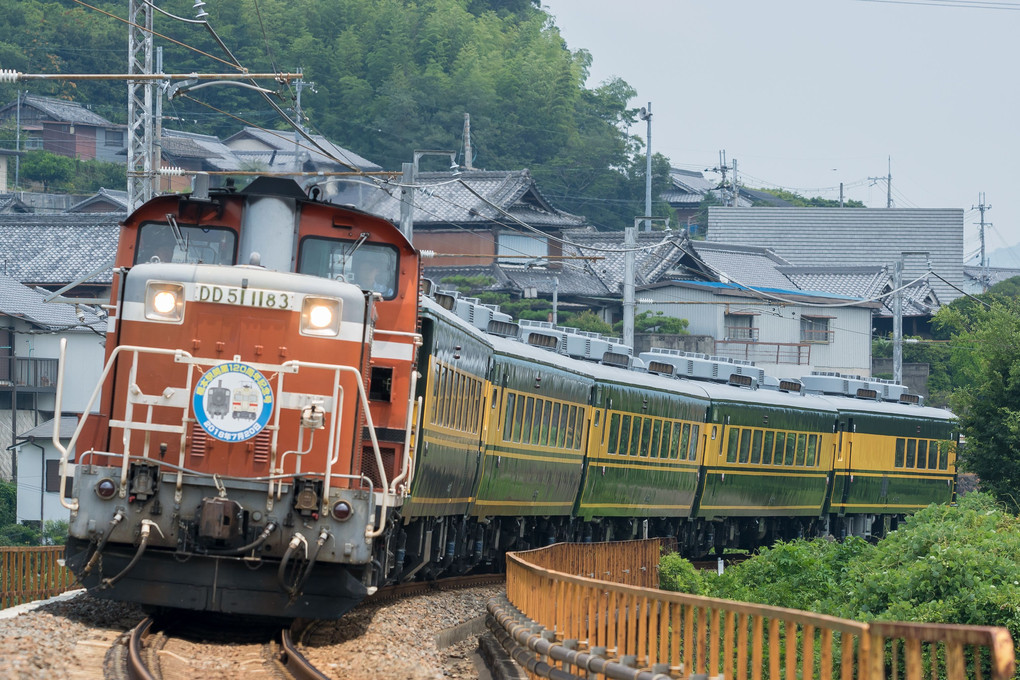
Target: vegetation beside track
946	564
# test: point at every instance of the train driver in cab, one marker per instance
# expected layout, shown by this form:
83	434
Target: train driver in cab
375	271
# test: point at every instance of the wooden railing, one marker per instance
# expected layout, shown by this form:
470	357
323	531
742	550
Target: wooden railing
567	621
28	574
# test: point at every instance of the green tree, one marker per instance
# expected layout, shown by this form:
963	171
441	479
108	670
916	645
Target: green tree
586	320
54	532
8	503
18	534
656	322
51	170
989	405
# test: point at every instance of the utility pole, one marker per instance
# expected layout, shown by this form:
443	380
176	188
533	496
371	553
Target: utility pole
723	169
897	310
467	142
736	188
140	111
629	249
299	115
646	115
888	184
898	313
629	244
407	181
984	261
17	147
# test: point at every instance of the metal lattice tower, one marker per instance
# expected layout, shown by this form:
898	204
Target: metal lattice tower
140	171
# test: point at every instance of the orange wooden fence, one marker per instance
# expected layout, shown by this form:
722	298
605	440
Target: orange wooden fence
604	626
32	573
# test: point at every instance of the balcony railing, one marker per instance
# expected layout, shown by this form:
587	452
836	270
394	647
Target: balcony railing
765	352
29	372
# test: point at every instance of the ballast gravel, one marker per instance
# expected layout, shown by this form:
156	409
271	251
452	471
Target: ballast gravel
395	640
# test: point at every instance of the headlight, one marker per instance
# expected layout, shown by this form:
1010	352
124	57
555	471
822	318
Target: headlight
164	302
320	316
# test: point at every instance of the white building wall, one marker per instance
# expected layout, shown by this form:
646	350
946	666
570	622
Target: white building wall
85	356
33	501
848	352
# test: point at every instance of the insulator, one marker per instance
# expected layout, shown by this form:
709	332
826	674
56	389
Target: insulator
426	254
8	75
172	172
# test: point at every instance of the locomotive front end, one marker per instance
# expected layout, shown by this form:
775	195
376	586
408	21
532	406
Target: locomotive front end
240	470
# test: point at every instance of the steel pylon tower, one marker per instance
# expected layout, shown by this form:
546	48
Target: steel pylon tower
140	171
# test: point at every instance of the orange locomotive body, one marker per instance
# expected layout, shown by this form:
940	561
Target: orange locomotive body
256	406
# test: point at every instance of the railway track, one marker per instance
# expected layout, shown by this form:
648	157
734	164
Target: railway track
187	647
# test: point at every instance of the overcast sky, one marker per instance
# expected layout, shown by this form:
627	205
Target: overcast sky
806	94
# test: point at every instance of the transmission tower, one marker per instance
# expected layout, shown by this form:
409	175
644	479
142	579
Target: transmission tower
140	170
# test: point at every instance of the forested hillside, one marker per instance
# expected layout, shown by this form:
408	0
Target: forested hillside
391	76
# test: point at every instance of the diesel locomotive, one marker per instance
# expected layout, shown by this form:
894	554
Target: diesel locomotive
277	433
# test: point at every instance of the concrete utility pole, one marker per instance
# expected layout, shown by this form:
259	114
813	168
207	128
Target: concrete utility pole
984	261
140	172
467	142
888	184
897	356
898	314
629	244
407	180
646	115
299	115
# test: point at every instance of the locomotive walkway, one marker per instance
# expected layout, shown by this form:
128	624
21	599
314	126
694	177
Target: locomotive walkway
575	611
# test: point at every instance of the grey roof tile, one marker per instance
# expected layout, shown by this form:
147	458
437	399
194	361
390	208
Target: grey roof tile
473	197
112	196
285	142
57	249
65	111
21	302
189	145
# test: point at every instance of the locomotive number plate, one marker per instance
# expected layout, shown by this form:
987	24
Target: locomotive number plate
245	297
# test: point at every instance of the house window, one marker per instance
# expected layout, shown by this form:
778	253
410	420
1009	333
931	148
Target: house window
53	479
815	329
114	138
522	250
739	327
31	141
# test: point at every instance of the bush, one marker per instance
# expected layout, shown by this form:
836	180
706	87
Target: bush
945	564
679	575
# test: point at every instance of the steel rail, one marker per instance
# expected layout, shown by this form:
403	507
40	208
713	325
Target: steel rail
137	669
293	660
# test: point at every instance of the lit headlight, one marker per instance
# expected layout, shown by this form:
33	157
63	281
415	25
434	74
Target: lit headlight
320	316
164	302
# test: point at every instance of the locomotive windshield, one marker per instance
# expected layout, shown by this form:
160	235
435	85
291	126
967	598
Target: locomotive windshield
200	245
370	266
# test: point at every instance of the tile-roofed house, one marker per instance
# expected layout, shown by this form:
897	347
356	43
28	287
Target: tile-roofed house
477	213
103	201
746	265
11	204
66	128
857	236
195	152
282	151
862	281
18	301
978	279
657	250
54	250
